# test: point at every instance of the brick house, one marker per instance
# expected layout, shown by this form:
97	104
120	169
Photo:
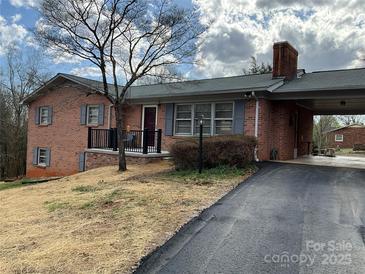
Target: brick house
68	114
346	137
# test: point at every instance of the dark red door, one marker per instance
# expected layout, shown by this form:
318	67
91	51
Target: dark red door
150	124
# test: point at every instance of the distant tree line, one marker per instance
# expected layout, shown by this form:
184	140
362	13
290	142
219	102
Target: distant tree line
19	75
257	67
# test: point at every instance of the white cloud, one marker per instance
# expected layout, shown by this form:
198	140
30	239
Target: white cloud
87	71
328	34
10	34
25	3
15	18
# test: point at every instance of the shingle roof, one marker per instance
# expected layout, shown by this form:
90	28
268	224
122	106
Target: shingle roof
348	126
94	84
254	82
350	79
326	80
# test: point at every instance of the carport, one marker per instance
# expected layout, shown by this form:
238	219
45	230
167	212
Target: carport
339	92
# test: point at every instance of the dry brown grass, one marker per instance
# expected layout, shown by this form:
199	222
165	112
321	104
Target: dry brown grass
99	221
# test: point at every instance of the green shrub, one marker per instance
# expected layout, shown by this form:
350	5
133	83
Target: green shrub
228	150
359	147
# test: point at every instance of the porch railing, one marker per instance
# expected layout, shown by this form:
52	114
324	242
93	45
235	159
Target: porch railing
140	141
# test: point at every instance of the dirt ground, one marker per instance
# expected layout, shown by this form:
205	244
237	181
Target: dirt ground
98	221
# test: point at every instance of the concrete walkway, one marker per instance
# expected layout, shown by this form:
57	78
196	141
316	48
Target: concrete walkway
285	219
338	161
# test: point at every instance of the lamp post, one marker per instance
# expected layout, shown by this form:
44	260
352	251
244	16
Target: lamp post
201	144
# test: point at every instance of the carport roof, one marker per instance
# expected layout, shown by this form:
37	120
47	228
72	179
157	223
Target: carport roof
346	79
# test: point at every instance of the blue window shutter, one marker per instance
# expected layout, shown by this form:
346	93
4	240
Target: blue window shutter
50	114
82	161
239	116
169	120
101	115
35	156
48	157
36	117
83	115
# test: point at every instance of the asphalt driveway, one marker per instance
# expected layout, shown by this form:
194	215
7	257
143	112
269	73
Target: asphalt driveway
285	219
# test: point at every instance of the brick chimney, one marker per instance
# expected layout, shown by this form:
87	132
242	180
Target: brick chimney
285	61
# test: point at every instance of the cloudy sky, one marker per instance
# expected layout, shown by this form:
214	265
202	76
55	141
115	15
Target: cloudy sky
329	34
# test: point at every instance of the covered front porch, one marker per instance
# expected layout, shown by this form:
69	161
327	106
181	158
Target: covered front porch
141	147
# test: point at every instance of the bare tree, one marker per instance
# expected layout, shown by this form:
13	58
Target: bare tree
323	124
19	76
256	68
128	39
347	120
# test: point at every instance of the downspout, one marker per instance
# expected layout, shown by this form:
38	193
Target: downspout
256	128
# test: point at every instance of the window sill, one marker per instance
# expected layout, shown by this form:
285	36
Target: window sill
43	125
41	166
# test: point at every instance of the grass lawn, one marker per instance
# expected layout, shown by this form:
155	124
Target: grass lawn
350	152
101	221
20	183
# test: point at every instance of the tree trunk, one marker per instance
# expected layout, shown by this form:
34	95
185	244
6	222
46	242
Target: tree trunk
119	115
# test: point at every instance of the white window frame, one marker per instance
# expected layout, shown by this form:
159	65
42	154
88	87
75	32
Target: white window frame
39	156
88	112
184	119
339	139
212	105
222	119
212	118
43	116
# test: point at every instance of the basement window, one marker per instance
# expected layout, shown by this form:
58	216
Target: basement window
338	138
42	156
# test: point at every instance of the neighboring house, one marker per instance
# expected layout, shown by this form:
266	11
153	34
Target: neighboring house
69	117
346	137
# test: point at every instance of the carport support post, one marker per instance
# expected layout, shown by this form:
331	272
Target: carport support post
201	145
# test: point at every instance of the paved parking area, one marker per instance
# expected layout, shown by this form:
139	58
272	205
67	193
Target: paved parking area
285	219
338	161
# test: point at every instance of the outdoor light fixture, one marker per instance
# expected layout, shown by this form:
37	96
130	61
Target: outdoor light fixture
249	94
343	103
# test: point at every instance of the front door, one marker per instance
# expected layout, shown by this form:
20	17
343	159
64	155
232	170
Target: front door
150	124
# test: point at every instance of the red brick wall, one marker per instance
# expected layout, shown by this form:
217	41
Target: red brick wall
274	128
285	60
250	110
277	128
66	137
95	160
305	131
351	136
133	116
